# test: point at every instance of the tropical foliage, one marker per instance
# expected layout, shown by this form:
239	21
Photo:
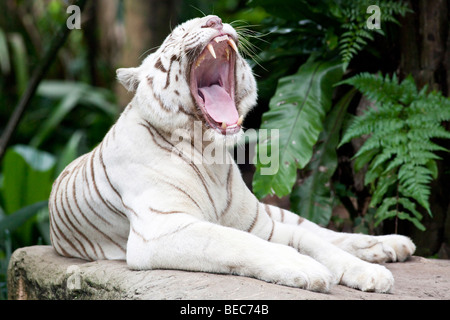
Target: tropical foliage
400	151
323	36
65	118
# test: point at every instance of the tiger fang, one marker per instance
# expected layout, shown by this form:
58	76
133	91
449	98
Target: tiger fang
211	50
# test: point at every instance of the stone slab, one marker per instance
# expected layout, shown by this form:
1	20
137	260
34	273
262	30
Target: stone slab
38	272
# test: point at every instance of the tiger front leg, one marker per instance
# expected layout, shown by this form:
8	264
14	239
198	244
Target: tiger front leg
183	242
348	269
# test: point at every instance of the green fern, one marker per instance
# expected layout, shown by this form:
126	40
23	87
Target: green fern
399	151
357	35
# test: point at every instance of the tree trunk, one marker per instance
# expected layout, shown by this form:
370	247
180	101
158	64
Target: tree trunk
146	25
425	53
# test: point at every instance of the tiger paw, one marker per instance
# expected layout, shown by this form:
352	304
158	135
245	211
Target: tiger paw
367	248
368	277
288	267
402	246
379	249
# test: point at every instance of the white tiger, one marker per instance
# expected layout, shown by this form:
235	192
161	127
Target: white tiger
139	196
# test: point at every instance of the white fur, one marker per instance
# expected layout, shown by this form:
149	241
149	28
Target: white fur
140	196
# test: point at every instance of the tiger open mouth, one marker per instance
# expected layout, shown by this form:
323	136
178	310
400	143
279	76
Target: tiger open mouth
212	84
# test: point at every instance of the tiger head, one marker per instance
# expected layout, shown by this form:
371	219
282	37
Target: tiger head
197	74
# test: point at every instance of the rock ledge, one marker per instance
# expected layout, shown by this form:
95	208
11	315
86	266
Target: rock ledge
38	272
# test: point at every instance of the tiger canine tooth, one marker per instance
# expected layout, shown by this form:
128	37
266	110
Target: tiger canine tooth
200	60
241	119
224	125
232	44
211	50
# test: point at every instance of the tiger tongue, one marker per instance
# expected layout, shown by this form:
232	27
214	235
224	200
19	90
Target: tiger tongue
219	104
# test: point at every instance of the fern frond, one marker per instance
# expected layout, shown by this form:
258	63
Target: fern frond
357	35
376	88
398	149
384	156
414	220
383	211
428	132
419	145
382	120
364	158
385	183
412	215
411	206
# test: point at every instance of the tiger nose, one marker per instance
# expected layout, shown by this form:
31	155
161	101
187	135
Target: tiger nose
214	22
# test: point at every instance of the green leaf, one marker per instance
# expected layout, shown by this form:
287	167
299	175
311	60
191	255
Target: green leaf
411	206
383	185
71	95
364	158
58	114
313	198
383	211
372	175
384	216
415	221
20	62
43	224
5	64
58	89
432	166
28	177
70	151
297	110
18	218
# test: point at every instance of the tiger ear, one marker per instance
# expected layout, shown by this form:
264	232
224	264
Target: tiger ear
128	77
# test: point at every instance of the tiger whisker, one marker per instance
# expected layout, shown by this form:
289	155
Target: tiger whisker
148	50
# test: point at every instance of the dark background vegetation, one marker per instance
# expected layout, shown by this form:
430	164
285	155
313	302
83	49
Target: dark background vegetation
79	98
